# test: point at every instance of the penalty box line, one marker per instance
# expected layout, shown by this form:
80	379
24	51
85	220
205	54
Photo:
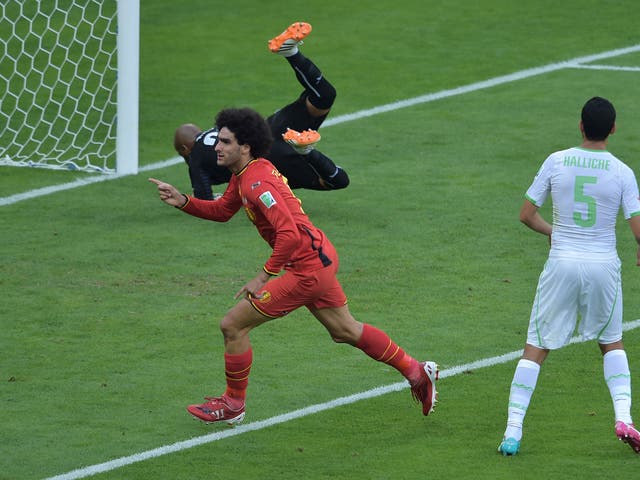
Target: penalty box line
289	416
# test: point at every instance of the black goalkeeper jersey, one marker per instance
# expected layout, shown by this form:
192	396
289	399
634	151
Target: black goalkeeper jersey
205	172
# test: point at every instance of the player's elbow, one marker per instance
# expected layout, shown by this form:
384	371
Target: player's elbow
528	213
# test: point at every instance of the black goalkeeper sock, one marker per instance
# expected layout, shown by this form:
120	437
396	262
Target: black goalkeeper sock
319	91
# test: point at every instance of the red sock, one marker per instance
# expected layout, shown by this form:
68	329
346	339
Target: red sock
380	347
236	369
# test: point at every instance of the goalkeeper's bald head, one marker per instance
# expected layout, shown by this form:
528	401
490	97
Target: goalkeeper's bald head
184	138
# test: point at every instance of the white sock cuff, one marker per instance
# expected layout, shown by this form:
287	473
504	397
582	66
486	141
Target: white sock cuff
615	353
524	363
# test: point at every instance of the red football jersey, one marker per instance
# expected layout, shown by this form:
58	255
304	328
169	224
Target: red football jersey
274	210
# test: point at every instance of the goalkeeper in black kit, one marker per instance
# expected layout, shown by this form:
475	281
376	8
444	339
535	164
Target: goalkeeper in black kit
294	129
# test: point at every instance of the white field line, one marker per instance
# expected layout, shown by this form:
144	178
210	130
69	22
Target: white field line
608	67
512	77
389	107
81	182
286	417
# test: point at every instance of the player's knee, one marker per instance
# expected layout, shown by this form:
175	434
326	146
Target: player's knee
339	181
229	328
324	98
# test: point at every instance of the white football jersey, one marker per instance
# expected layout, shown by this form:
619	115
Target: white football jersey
588	188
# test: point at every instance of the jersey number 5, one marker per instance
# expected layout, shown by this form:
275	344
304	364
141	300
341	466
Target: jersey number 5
580	197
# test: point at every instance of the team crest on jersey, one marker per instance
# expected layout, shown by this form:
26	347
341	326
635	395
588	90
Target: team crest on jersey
267	199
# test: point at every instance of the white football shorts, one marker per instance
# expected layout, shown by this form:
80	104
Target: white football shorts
572	290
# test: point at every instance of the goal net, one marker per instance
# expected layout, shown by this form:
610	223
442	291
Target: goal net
69	84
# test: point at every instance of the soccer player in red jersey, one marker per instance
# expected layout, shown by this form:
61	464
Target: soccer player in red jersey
301	270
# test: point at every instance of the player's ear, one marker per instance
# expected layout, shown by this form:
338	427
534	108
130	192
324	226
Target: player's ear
182	150
613	129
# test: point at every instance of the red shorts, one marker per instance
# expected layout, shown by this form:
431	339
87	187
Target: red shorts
294	289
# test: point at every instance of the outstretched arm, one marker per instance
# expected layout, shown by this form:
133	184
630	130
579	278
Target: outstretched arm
170	194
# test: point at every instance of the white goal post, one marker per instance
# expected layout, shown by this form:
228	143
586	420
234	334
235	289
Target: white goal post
69	74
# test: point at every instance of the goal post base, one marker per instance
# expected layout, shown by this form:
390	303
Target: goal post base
69	78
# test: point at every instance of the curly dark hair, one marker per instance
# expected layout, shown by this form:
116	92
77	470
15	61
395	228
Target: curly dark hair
598	118
249	128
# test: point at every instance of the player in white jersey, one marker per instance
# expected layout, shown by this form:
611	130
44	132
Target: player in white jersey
581	278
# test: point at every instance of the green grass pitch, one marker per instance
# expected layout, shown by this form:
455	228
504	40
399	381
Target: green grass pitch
111	300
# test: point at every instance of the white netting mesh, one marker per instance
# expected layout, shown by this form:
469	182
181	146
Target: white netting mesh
58	74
